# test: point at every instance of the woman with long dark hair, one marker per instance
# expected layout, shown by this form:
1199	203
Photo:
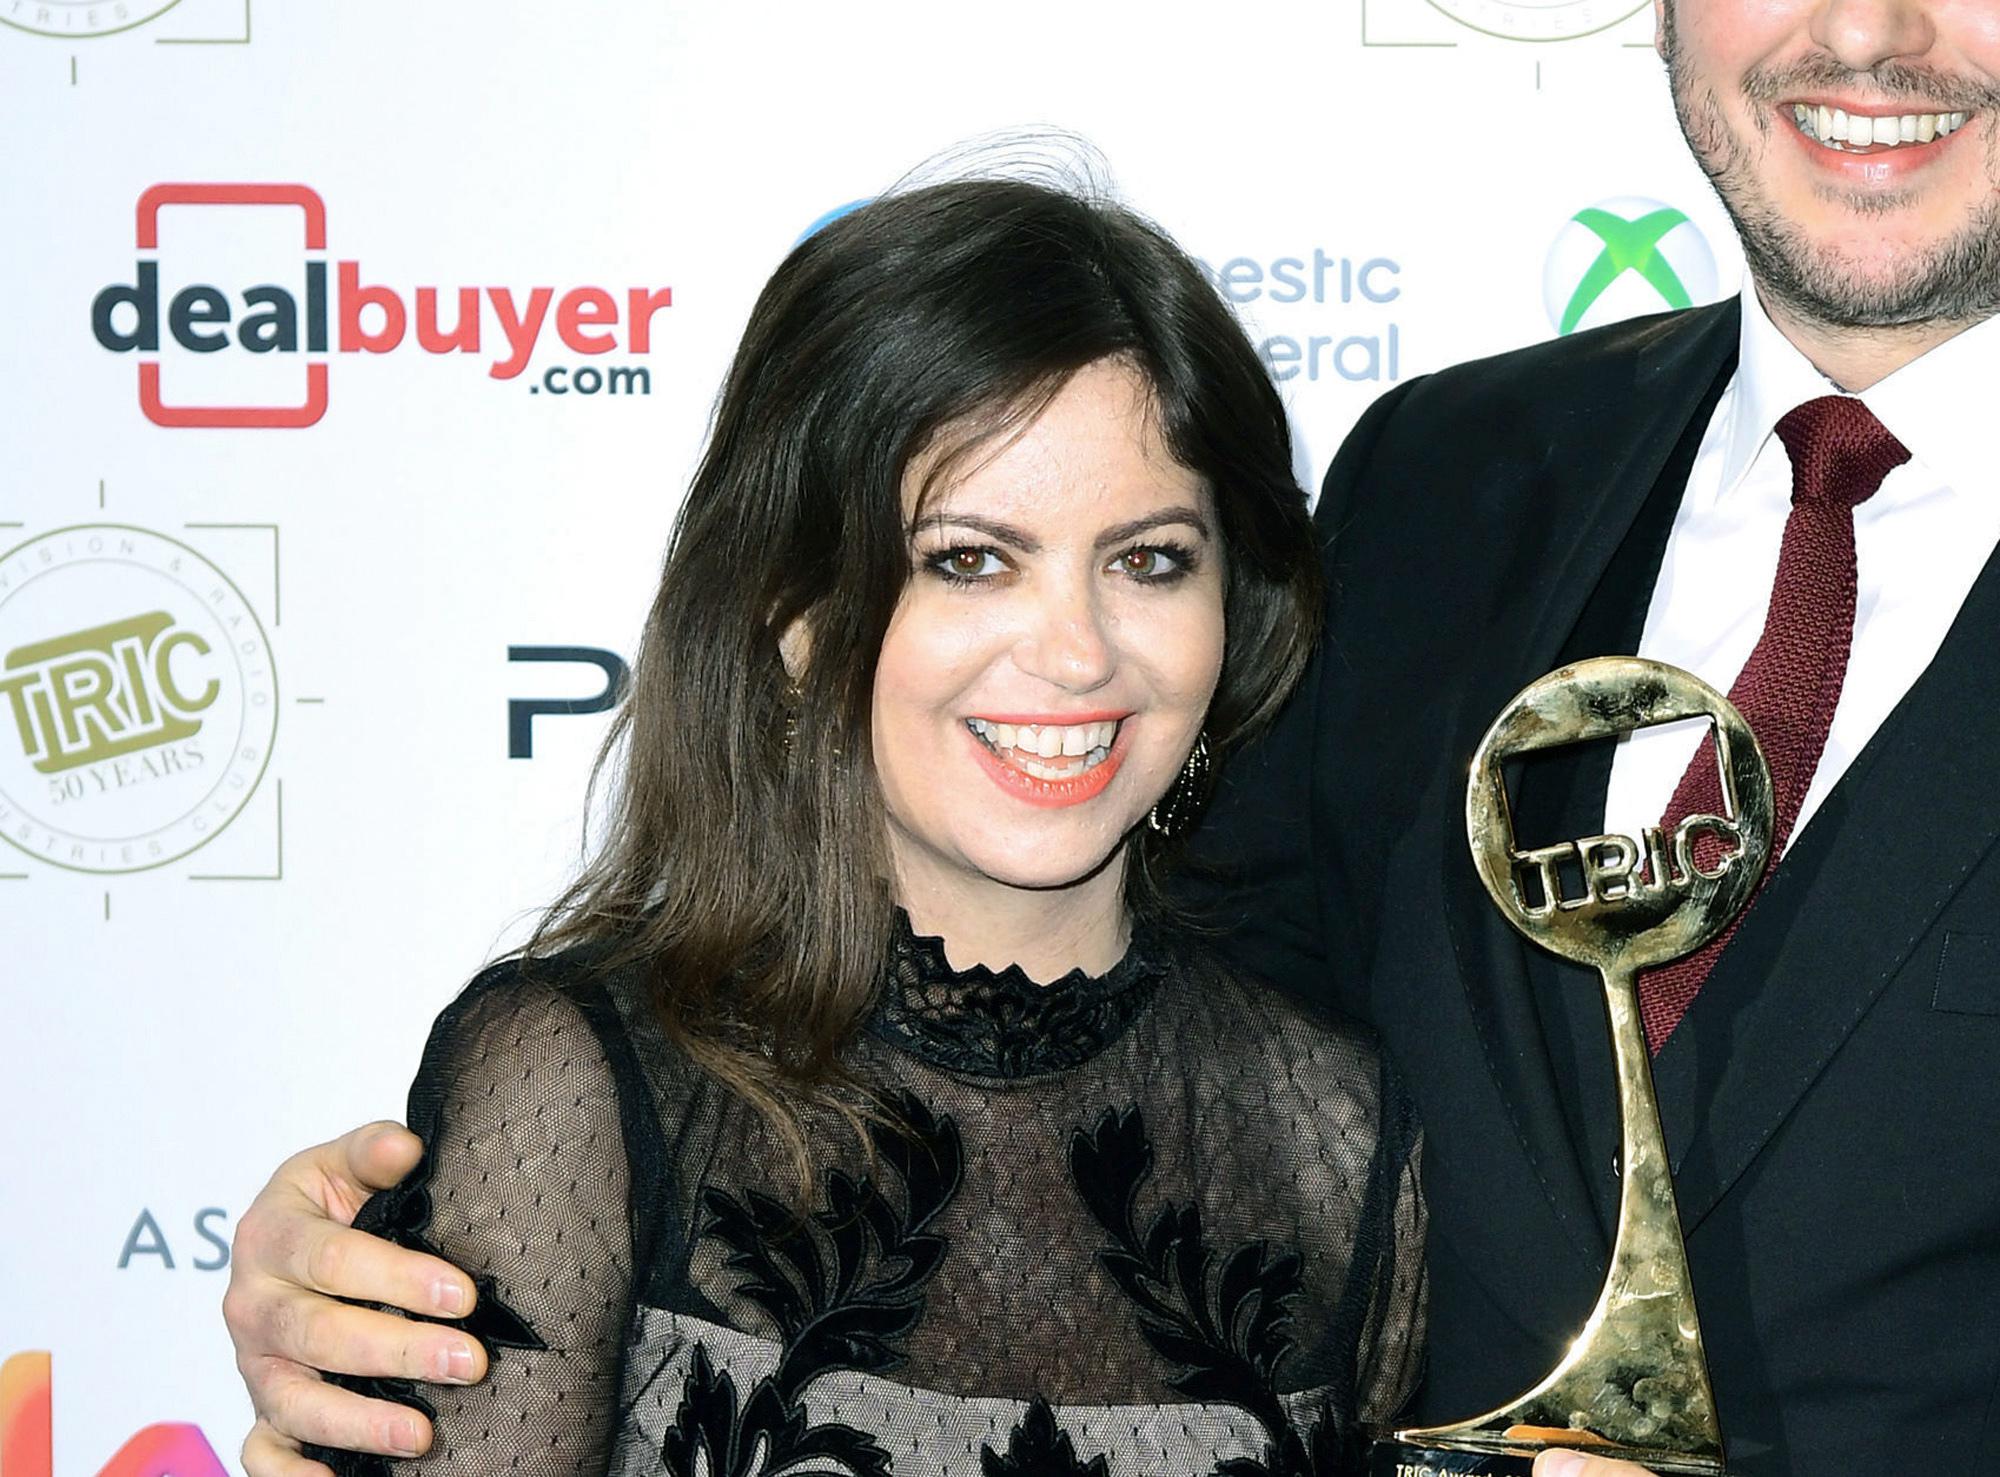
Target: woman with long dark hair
861	1109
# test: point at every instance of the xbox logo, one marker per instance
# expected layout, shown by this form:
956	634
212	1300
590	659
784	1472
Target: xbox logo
1623	257
1539	20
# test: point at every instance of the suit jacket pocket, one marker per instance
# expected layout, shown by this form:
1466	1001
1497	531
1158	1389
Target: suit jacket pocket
1968	974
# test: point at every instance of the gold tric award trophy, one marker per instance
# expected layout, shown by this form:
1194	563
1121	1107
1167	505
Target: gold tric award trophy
1634	1384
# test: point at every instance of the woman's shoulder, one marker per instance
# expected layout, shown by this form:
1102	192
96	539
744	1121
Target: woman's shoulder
522	1028
1255	1015
1255	1039
597	997
565	1043
521	1002
536	1028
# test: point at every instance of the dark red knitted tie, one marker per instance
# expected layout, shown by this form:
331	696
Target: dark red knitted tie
1788	689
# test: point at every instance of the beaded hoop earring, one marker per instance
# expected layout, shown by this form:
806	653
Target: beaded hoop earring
1184	798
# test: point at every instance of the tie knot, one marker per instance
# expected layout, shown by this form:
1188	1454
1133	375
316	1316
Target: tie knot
1840	453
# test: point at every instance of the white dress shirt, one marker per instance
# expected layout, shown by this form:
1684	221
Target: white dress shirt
1920	543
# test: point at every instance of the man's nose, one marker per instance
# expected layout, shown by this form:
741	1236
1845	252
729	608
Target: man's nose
1862	34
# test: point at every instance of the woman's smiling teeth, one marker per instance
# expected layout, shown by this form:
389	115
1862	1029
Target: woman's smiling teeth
1838	129
1030	746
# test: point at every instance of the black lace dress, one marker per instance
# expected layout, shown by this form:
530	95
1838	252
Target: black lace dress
1157	1222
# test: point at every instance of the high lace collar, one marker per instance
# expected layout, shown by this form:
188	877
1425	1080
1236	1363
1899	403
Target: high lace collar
999	1023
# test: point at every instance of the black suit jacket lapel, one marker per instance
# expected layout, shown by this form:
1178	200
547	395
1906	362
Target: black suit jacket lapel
1607	457
1840	916
1560	795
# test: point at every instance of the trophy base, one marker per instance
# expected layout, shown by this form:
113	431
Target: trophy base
1390	1458
1400	1459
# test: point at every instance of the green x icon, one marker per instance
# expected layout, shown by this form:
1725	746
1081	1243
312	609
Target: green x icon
1629	246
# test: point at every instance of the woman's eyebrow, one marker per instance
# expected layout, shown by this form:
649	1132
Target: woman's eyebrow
993	528
1118	533
1027	543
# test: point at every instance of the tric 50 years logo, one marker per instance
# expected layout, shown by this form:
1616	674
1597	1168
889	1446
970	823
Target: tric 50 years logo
138	699
325	309
27	1433
1623	257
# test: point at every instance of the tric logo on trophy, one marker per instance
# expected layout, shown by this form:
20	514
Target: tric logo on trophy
1624	257
138	699
1634	1381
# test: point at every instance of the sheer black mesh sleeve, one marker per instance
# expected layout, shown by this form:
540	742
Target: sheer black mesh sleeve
525	1184
1392	1337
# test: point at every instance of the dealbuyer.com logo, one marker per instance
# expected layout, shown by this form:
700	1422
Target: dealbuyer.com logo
1624	257
325	309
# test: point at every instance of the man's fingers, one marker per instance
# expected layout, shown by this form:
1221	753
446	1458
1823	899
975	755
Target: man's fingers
342	1339
1575	1464
339	1175
295	1253
342	1262
313	1191
267	1454
379	1154
296	1230
297	1406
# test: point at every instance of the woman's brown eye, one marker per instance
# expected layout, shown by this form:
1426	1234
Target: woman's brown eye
1142	561
968	564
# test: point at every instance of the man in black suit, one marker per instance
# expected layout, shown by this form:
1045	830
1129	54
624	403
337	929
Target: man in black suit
1830	1096
1829	1090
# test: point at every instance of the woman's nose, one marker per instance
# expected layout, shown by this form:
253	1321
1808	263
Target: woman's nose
1069	644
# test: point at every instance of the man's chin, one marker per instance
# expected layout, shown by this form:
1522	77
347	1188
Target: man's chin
1873	280
1858	271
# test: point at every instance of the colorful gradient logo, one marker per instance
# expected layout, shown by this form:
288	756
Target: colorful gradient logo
27	1426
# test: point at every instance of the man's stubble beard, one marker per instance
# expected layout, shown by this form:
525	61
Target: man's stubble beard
1954	281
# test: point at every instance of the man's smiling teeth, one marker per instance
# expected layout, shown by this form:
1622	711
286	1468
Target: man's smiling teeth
1026	745
1838	129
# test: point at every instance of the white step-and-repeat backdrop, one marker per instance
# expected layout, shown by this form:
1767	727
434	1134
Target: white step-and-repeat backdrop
352	359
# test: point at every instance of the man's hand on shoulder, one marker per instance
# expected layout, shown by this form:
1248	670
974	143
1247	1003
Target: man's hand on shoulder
296	1255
